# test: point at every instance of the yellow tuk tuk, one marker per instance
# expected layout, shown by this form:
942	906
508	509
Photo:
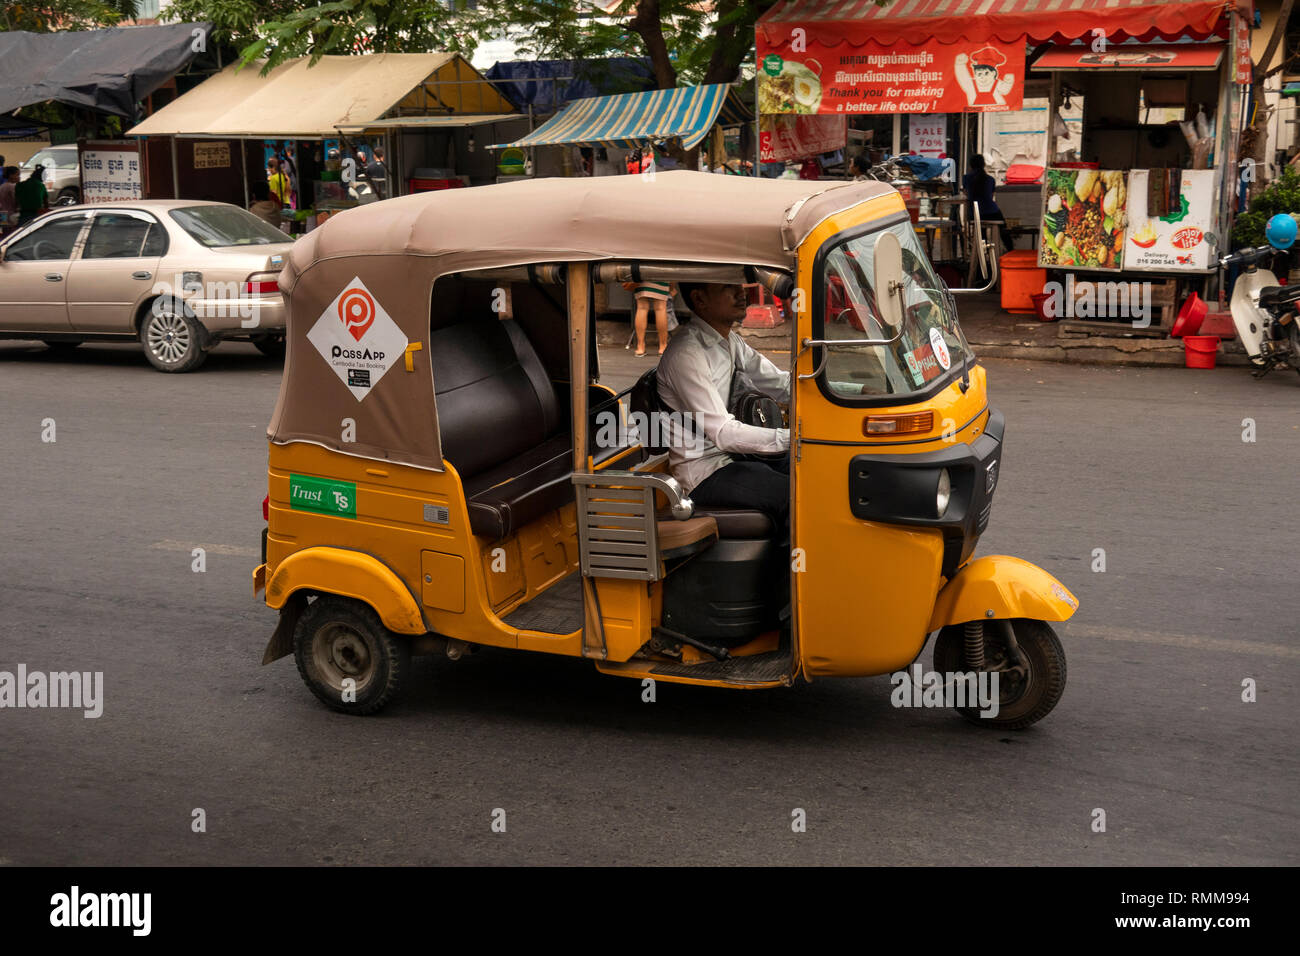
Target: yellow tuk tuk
442	474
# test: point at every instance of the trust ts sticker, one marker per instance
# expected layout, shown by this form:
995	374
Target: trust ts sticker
358	339
940	349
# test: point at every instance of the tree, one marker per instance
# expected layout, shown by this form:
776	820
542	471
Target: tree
49	16
685	40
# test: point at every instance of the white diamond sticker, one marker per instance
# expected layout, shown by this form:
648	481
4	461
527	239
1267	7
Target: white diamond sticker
358	339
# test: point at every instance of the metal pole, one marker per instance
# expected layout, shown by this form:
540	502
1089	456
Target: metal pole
176	174
243	168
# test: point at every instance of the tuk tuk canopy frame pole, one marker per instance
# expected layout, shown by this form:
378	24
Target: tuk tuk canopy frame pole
579	288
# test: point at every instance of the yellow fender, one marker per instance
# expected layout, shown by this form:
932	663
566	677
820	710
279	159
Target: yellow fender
1000	586
348	574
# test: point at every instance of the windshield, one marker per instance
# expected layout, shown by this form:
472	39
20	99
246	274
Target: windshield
215	226
53	159
930	343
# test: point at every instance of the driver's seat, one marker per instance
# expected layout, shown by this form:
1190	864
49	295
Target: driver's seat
733	523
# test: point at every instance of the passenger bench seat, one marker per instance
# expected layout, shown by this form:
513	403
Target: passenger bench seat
500	424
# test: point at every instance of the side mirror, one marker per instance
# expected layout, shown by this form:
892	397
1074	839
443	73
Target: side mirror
888	257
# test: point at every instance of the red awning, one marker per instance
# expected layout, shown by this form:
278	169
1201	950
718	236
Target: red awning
1122	56
948	21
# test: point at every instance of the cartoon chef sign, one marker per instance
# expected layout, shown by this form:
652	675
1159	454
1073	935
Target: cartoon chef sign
980	78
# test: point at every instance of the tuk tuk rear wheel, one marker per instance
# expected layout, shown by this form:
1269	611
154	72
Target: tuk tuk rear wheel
339	640
1021	701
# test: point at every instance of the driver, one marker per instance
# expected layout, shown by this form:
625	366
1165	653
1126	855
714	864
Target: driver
695	378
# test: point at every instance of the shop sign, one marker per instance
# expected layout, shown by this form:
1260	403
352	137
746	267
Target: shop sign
110	172
927	135
1182	238
211	155
933	77
786	138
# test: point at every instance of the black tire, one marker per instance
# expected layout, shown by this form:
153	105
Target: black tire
62	348
173	340
1021	703
338	638
271	345
66	193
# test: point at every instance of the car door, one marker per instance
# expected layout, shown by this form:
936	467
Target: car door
116	270
34	273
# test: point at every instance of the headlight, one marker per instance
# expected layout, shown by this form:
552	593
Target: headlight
943	494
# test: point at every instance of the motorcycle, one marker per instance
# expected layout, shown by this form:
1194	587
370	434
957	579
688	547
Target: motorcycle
1264	311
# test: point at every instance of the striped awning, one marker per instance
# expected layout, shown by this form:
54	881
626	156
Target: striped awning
856	22
634	119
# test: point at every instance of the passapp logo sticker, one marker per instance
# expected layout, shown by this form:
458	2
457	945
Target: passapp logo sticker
323	496
358	339
940	348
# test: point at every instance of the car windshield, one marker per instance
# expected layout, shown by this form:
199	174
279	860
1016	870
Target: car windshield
215	226
930	343
53	159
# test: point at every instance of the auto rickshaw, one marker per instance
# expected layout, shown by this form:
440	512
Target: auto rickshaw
441	477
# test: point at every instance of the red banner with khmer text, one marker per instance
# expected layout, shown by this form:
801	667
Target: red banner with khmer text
976	77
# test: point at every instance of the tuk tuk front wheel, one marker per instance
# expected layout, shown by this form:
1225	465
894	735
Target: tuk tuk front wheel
1028	690
347	657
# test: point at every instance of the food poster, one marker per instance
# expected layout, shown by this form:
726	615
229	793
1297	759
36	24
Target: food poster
1182	238
963	77
1083	218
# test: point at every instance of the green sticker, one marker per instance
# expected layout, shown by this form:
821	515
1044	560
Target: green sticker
323	496
772	64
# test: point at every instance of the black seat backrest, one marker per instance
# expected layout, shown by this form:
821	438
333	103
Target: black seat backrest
645	400
495	401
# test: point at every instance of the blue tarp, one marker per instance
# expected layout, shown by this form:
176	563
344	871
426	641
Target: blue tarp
548	85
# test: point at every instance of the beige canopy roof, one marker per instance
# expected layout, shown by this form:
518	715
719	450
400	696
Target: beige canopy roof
382	260
297	99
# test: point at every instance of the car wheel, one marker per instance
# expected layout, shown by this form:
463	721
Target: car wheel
68	196
173	341
270	344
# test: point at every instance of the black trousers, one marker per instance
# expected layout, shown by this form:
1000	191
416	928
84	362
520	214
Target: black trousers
756	485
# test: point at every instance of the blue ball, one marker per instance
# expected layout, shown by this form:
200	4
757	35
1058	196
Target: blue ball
1280	231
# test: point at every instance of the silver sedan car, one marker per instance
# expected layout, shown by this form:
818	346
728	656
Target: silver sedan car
179	275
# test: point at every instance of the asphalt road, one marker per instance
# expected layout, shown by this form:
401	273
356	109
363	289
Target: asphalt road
1199	594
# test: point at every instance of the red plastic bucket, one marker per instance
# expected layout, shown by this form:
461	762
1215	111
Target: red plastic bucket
1199	350
1040	306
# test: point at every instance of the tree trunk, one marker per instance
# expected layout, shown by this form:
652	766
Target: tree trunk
647	24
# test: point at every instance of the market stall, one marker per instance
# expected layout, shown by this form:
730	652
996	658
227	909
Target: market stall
302	108
1139	195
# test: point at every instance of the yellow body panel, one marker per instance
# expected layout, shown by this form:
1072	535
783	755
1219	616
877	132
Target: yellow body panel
1000	586
348	574
866	593
391	530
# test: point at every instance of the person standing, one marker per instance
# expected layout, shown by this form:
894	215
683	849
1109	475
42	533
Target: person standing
8	201
32	196
277	182
290	169
264	207
652	295
377	173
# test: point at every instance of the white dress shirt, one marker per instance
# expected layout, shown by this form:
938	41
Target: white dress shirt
695	376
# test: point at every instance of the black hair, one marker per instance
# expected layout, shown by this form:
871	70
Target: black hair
977	162
261	191
689	287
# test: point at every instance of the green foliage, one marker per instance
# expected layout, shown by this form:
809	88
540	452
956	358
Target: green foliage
49	16
1282	195
234	22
